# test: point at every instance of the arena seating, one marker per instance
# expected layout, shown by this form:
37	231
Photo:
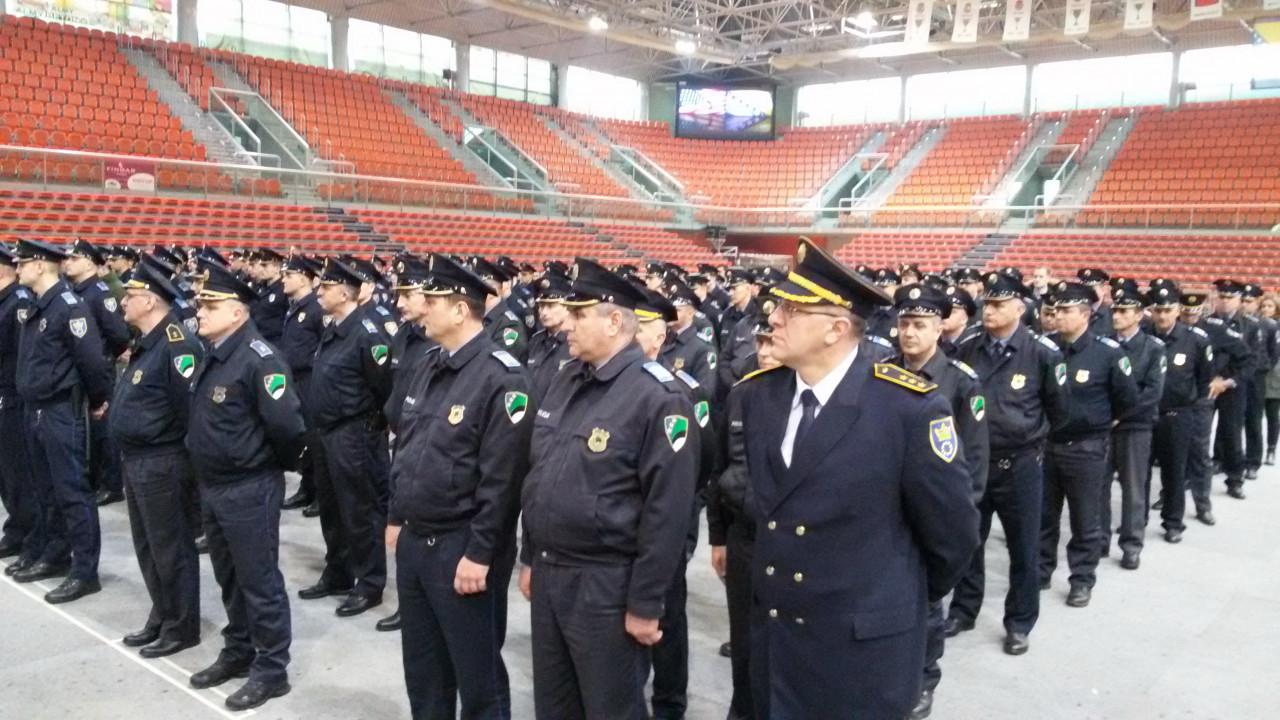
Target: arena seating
933	250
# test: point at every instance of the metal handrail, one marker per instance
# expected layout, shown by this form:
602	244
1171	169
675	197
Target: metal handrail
523	155
213	95
263	156
671	179
252	95
637	167
214	92
469	133
338	165
881	159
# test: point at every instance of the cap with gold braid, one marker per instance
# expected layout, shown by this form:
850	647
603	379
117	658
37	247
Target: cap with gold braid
819	279
655	307
151	278
446	277
593	284
222	284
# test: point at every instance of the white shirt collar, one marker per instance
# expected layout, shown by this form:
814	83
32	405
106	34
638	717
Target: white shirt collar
826	387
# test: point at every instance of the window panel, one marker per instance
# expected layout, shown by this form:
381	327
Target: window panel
1228	73
849	103
1102	82
966	93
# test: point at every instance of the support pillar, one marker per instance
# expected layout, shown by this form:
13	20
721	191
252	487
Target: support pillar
338	31
902	98
188	28
1028	105
562	85
1175	90
462	67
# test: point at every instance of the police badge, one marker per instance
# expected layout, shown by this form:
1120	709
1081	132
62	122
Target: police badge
942	438
455	414
219	394
79	326
598	441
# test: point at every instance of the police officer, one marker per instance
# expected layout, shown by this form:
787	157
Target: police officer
882	323
1189	362
299	339
737	341
1131	438
957	325
1022	377
148	423
1102	390
350	382
17	491
504	326
461	456
1266	354
410	343
863	503
921	311
1096	280
273	304
62	373
606	508
686	349
1230	403
549	346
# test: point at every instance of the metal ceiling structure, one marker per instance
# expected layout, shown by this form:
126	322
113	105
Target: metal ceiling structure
788	41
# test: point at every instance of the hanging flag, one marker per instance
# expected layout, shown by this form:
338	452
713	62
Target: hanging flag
1017	20
1206	9
966	28
1139	14
1077	22
919	23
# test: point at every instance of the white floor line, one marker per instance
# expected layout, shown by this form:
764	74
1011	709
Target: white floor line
133	657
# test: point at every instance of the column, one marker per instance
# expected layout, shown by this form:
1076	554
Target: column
902	98
188	30
1175	85
462	63
1028	106
338	28
562	84
645	111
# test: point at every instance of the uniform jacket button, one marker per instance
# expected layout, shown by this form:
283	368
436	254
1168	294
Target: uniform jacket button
773	524
798	577
773	612
799	530
768	570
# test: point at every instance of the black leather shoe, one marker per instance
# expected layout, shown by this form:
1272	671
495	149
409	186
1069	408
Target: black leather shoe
10	548
164	648
106	497
312	510
924	706
1251	474
1217	468
726	650
296	501
145	636
1130	560
1271	458
1157	505
389	624
1079	596
1016	643
18	566
356	604
1173	536
323	589
72	589
1206	517
956	625
255	693
218	673
1045	583
202	545
1236	492
41	570
1106	549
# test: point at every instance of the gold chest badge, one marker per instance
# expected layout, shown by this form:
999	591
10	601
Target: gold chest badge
598	441
455	414
137	376
219	394
678	364
1018	381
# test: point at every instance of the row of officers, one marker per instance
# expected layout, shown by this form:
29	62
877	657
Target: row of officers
596	413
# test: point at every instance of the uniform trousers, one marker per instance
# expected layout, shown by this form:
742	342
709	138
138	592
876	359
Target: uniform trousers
1173	446
1199	467
58	453
739	550
671	654
23	521
161	517
1255	399
1073	474
1228	445
1131	458
352	493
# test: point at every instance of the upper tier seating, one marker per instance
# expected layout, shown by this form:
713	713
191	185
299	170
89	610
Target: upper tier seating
934	251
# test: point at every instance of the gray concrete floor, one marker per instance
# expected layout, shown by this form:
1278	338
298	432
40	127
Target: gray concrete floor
1192	634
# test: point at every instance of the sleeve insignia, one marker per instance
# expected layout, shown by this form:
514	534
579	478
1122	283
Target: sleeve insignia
942	438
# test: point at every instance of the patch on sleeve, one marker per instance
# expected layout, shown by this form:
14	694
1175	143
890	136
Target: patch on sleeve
659	372
677	430
706	334
261	347
110	304
369	326
174	333
379	353
964	368
898	376
390	327
942	438
516	404
978	405
79	327
275	385
702	412
185	365
1126	367
510	336
506	359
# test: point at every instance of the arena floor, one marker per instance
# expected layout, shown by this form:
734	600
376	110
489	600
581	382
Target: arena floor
1192	634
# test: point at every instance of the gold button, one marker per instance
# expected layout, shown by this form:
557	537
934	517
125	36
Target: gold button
773	613
799	577
799	621
800	530
773	524
768	570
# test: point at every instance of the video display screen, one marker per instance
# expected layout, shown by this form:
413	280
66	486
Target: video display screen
722	112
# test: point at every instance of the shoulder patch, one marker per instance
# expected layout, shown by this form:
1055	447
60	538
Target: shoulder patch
1234	334
1199	331
1048	342
964	368
506	359
382	310
970	337
1213	320
260	347
898	376
175	333
103	286
369	326
1108	342
1156	340
70	298
879	341
659	372
687	379
511	316
755	374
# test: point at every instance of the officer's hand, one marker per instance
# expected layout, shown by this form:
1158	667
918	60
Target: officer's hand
526	582
644	630
100	411
719	560
470	577
1217	386
392	536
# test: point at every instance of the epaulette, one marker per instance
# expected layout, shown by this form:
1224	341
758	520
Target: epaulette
1046	341
879	341
368	325
260	347
1159	342
898	376
1109	342
962	367
1213	320
175	333
969	337
24	293
103	286
70	298
506	359
687	379
659	372
755	374
1235	334
511	316
1199	331
384	311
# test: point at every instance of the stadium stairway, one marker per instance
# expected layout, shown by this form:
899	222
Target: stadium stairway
930	136
510	151
420	116
1079	188
555	128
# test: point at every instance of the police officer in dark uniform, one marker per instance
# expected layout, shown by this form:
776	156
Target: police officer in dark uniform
606	509
461	457
1230	404
273	304
549	346
1022	376
148	424
1189	369
737	340
1096	279
17	489
1102	390
350	382
62	375
505	327
1230	362
882	323
862	503
921	310
1131	437
685	348
410	344
1262	331
299	339
245	430
959	324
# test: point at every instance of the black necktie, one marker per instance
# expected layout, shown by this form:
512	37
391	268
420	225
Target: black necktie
808	411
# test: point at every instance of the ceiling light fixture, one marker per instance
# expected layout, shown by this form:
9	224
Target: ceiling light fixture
597	24
864	20
686	47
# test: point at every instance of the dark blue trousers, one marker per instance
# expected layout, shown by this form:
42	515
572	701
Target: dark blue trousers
58	448
23	523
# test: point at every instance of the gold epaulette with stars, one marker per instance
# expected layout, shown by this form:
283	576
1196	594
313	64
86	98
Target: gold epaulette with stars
175	333
908	380
756	373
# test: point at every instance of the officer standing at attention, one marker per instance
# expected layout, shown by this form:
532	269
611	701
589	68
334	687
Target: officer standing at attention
1095	279
847	453
148	424
350	382
737	341
606	508
1230	360
685	349
272	305
62	372
303	325
921	311
1101	388
1022	378
549	346
1131	437
1189	363
461	457
1266	353
505	327
245	430
17	490
1228	447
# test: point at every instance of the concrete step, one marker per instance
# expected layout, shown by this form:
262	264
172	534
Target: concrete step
484	174
220	145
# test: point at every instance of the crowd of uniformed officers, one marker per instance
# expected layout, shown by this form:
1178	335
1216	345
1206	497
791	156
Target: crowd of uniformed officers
849	433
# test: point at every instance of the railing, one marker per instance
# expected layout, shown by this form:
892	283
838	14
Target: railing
63	168
509	173
216	93
854	199
639	159
639	174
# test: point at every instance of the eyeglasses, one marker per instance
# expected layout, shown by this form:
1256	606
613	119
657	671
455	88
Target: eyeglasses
789	310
